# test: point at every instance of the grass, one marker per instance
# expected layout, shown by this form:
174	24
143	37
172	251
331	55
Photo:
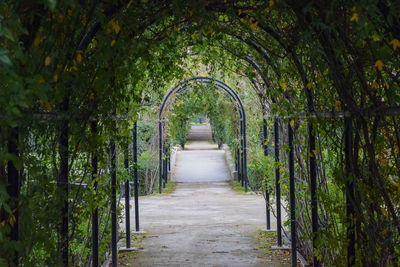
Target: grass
237	186
273	257
126	258
169	188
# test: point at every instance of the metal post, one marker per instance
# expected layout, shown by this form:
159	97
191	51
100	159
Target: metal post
13	187
348	148
239	169
63	183
246	181
236	161
95	214
164	165
135	177
265	146
241	153
127	198
161	155
113	203
292	197
277	186
313	189
169	157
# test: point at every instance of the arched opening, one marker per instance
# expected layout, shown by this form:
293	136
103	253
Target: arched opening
218	85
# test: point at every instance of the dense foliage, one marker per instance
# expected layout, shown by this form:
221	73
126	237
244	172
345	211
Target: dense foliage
82	71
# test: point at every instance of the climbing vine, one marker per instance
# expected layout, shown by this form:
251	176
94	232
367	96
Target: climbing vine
75	75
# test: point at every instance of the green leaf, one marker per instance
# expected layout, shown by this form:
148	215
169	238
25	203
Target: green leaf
4	58
8	34
51	4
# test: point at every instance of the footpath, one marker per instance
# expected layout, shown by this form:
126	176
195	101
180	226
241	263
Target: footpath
203	222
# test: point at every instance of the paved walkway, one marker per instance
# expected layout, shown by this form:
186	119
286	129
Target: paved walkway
203	222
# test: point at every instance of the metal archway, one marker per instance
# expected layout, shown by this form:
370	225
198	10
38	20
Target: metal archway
218	84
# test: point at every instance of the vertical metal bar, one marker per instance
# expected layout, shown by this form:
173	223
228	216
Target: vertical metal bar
63	182
95	214
166	162
313	185
277	186
161	156
292	197
169	157
164	166
113	203
241	153
265	146
239	170
246	181
13	187
349	186
127	198
236	161
135	177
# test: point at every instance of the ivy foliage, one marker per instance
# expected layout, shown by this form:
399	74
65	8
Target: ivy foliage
72	63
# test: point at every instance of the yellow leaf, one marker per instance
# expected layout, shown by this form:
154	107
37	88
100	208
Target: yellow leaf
47	61
271	3
292	123
2	223
115	26
379	64
128	5
193	35
354	17
283	85
314	152
12	220
395	43
37	40
79	57
40	80
309	85
94	44
374	85
112	43
254	25
384	211
240	12
337	104
55	78
49	107
386	85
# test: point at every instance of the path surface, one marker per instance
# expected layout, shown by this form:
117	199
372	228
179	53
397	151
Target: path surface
203	222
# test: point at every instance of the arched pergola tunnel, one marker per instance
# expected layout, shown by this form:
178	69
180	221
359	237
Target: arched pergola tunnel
348	114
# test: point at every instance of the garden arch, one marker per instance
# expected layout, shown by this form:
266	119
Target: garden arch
217	84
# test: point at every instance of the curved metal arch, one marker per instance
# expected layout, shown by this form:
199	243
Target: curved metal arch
183	85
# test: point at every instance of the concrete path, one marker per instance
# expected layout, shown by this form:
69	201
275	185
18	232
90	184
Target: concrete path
203	222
